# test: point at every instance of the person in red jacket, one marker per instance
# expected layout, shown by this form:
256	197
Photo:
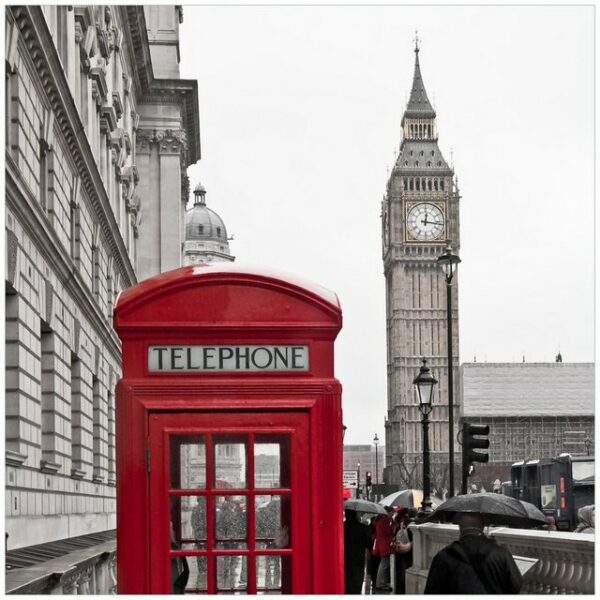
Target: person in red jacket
385	530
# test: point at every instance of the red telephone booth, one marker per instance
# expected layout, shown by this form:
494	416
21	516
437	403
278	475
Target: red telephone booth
229	435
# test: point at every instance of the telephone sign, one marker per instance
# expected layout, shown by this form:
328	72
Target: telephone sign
229	435
227	358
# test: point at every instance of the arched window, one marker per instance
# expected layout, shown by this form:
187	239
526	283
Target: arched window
421	153
416	163
442	184
433	153
429	130
428	163
218	231
439	163
435	184
418	185
429	184
412	186
406	163
405	182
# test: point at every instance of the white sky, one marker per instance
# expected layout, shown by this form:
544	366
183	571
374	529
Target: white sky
300	110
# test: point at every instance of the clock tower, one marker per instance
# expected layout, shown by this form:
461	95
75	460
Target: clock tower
420	217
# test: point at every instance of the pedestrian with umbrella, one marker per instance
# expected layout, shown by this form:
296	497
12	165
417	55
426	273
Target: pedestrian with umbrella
356	541
476	564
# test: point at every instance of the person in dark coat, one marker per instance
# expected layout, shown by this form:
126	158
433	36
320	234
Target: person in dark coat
475	564
404	560
356	541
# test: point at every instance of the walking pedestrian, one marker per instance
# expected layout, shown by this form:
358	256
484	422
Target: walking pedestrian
403	554
586	517
385	529
475	564
356	541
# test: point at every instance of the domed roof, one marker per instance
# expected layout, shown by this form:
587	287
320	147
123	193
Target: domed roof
202	223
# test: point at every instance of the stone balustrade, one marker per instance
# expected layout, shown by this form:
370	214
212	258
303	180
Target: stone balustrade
91	570
565	565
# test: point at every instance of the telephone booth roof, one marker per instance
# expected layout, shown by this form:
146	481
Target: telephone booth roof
232	292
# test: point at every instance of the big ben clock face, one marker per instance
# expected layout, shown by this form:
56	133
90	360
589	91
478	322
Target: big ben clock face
425	222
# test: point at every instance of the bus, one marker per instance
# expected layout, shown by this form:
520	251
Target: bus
559	486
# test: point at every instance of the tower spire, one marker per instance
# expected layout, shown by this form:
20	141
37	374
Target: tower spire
418	103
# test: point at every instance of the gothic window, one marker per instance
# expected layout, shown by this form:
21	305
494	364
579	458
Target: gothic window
412	186
428	163
418	185
411	152
442	184
416	163
435	184
429	184
421	153
433	153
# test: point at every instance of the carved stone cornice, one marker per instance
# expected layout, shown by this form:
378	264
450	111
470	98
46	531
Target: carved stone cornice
99	83
183	92
138	47
42	50
167	141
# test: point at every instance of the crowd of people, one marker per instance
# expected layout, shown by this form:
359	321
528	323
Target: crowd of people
473	564
383	539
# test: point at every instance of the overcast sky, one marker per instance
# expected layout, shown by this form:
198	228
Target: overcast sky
300	110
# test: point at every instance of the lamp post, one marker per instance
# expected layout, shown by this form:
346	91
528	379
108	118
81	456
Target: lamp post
424	383
358	478
376	442
449	263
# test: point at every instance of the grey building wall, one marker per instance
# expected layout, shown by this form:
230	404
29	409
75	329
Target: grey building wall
76	80
534	410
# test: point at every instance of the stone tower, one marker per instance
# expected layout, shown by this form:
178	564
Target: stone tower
420	216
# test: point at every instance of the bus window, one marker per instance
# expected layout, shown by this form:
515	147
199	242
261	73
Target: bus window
583	471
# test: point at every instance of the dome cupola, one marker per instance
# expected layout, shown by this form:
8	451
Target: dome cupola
205	233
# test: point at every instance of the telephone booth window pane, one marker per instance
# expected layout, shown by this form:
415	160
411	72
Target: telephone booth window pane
232	574
268	574
188	462
189	518
272	521
197	579
271	461
230	462
231	520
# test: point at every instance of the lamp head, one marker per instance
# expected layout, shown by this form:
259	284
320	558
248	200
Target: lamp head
449	263
424	383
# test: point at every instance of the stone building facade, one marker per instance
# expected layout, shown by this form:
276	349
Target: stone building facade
420	217
95	112
534	410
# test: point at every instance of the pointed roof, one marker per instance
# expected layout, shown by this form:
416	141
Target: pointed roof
418	104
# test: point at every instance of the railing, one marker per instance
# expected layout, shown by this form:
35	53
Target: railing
91	570
565	565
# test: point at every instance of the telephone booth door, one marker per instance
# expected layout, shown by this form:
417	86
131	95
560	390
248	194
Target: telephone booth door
229	503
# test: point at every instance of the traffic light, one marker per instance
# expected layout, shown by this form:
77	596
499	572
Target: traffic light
368	479
469	443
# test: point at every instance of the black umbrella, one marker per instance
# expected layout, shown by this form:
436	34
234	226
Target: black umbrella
496	509
364	506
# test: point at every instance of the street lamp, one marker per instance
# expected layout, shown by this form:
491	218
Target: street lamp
358	479
424	383
376	442
449	263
